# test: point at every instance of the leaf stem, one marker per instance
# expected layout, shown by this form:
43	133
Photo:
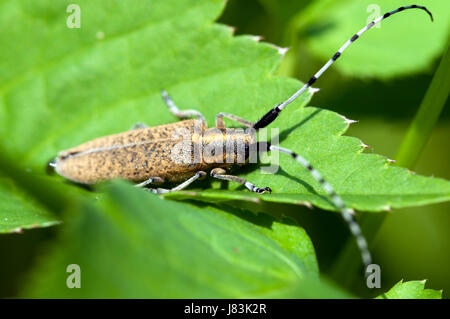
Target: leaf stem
421	127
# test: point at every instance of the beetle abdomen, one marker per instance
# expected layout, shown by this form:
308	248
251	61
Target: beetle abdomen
134	155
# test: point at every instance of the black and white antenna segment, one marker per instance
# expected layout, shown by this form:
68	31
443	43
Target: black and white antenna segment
270	116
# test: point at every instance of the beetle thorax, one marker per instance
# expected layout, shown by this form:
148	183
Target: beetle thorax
227	146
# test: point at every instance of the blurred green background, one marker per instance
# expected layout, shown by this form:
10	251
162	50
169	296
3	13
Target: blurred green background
413	243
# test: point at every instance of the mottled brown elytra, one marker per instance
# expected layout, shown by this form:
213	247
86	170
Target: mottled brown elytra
146	154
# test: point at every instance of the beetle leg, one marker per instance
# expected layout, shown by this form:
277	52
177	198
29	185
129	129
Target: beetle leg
151	180
183	185
219	173
221	124
176	111
138	126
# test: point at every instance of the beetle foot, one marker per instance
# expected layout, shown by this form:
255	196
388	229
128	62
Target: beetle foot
262	190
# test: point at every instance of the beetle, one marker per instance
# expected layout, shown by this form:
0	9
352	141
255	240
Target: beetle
145	154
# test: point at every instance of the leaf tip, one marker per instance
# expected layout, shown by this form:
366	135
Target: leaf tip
256	38
306	204
282	51
390	161
18	230
231	29
313	90
348	121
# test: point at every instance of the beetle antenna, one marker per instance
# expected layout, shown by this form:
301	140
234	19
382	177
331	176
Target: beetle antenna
270	116
338	202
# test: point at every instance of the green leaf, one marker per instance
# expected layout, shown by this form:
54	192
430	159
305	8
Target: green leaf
411	290
90	87
403	44
367	182
133	244
17	212
107	75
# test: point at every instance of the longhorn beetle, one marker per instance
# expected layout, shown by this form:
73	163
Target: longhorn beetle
143	154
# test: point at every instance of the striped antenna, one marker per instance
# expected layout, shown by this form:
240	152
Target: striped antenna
346	212
270	116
